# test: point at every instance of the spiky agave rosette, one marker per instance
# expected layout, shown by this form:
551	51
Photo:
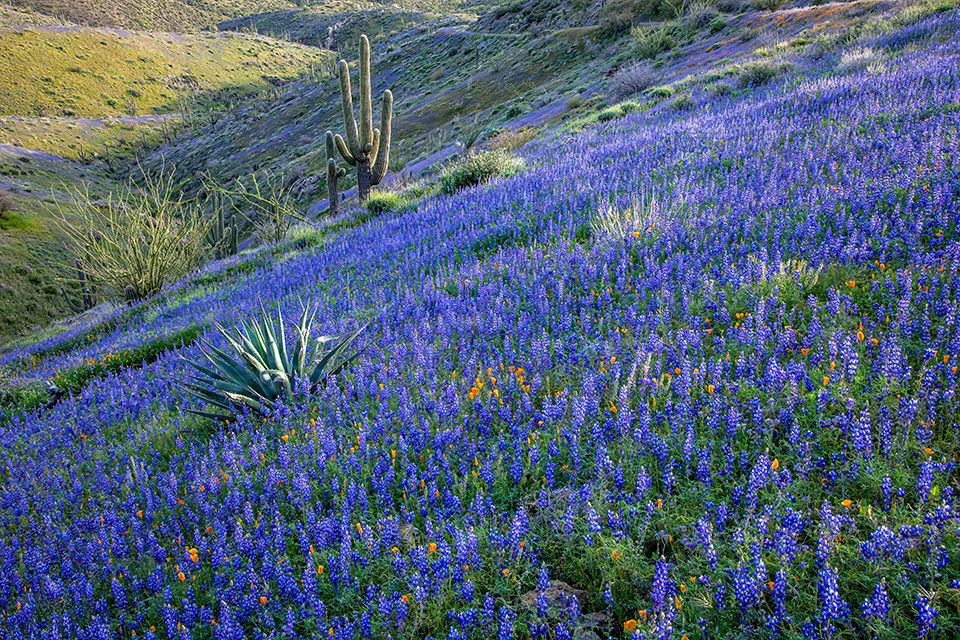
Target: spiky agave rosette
267	370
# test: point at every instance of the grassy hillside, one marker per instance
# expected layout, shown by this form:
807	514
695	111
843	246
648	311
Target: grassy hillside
693	374
80	104
76	71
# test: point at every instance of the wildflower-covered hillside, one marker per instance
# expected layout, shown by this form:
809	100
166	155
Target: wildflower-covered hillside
693	374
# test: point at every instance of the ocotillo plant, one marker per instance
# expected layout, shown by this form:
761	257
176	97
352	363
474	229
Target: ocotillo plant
366	148
334	173
89	298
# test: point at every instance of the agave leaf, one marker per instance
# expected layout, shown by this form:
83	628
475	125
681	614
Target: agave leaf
234	370
250	402
303	336
256	341
270	332
285	362
208	396
320	369
216	417
280	374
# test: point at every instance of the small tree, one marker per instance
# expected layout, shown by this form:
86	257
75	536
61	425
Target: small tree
142	236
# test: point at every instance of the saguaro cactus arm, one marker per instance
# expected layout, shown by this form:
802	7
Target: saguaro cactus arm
382	158
344	151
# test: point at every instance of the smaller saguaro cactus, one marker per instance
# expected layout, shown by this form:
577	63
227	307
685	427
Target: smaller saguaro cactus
334	173
225	232
88	298
130	295
365	148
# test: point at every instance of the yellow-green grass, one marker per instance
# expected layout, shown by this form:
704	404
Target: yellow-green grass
83	138
76	71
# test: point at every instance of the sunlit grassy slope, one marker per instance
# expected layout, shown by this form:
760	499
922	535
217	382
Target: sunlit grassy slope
66	71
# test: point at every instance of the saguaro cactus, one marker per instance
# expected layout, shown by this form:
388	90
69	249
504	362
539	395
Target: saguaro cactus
334	173
89	294
223	236
365	148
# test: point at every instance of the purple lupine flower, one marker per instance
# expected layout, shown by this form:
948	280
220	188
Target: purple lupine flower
926	616
832	607
877	606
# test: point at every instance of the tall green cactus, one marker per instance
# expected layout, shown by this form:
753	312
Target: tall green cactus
89	294
334	173
223	236
365	148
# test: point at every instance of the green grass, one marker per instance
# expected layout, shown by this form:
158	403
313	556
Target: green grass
76	378
90	73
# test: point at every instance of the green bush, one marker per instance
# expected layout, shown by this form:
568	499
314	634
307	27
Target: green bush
381	202
682	101
478	168
663	91
649	42
610	113
758	73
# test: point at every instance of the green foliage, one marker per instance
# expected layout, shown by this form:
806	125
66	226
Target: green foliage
478	168
76	379
142	236
649	42
381	202
760	72
267	370
769	5
610	113
682	101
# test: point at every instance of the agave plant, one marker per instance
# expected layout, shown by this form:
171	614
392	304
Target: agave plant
267	369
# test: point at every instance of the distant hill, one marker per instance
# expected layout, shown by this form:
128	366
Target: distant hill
150	15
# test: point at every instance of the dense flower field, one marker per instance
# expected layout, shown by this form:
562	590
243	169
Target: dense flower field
737	416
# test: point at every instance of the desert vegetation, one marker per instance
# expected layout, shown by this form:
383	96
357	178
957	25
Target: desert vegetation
637	341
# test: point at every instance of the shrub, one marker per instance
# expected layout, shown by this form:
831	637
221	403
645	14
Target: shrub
513	139
649	42
682	101
7	204
858	58
141	236
758	73
381	202
633	80
664	91
610	113
612	224
617	15
769	5
699	15
575	102
266	201
477	168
